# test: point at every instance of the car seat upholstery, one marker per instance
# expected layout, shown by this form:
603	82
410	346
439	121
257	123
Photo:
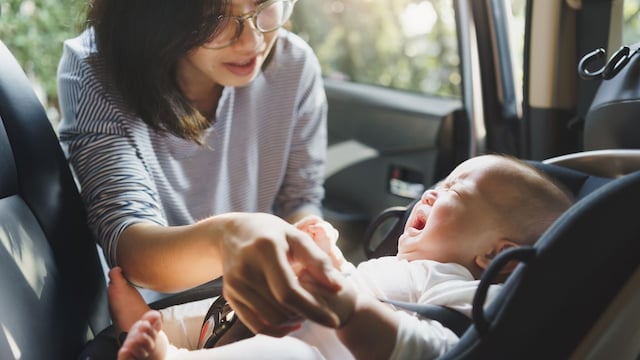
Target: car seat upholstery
53	293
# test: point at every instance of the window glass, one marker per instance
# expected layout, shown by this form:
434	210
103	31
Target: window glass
631	23
516	22
403	44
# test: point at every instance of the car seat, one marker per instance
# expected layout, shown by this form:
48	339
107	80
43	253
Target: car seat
612	122
53	302
53	293
566	282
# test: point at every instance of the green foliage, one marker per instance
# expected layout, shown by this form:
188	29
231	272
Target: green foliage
369	42
34	31
358	40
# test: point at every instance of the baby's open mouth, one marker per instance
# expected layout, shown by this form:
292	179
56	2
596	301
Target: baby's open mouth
420	222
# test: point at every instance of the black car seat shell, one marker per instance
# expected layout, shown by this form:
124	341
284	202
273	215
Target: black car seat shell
576	270
570	277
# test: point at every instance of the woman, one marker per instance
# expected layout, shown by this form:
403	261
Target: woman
186	122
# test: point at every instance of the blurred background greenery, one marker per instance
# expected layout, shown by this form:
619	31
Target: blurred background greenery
34	31
403	44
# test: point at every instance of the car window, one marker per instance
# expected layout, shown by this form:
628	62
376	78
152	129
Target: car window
386	43
516	22
631	22
402	44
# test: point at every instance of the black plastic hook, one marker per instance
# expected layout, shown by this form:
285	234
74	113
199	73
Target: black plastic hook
619	59
587	60
612	67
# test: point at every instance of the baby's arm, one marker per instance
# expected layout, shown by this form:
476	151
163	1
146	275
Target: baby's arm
368	328
325	236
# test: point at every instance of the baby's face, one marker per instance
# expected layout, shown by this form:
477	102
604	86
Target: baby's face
455	221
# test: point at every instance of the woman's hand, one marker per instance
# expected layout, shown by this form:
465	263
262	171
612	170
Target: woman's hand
259	252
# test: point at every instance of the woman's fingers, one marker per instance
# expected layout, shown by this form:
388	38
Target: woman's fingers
286	286
260	280
259	311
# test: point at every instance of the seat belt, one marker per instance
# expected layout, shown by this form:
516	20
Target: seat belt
448	317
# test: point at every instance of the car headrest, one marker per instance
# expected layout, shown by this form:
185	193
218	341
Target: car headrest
612	122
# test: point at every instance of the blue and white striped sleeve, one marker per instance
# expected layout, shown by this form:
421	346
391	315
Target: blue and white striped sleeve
96	135
303	186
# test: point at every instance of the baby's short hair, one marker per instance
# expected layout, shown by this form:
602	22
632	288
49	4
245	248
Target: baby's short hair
532	201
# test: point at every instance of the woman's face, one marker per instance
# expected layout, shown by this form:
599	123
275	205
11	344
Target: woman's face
234	65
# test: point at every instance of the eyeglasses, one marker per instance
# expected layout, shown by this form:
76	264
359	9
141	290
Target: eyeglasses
267	17
216	323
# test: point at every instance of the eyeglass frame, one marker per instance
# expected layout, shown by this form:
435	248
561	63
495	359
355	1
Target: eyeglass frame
251	16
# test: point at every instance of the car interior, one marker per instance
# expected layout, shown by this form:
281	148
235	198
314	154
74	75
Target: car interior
574	293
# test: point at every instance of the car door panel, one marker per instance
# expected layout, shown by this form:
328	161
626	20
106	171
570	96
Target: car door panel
376	135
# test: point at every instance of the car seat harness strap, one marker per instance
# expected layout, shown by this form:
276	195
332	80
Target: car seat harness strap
448	317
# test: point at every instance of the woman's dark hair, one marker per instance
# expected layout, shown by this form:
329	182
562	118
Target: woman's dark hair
139	42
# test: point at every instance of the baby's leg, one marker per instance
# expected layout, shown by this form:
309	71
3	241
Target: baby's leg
259	347
145	339
125	302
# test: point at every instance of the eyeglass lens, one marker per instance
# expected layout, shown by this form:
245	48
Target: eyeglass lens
268	17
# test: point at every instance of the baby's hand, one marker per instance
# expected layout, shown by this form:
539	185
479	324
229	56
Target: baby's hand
323	233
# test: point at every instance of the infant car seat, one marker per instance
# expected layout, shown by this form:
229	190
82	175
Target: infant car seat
52	287
565	282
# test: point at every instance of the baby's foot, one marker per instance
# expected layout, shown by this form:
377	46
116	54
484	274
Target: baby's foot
145	339
125	302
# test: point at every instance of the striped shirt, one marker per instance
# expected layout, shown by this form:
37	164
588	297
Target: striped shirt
265	153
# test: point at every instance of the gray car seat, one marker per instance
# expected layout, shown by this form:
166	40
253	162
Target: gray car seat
53	294
53	300
52	283
565	283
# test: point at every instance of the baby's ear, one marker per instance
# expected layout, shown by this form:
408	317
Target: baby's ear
501	245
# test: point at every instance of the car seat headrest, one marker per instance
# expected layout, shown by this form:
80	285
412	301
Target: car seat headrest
612	122
589	253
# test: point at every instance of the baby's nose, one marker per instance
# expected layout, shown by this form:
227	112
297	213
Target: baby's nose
429	197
